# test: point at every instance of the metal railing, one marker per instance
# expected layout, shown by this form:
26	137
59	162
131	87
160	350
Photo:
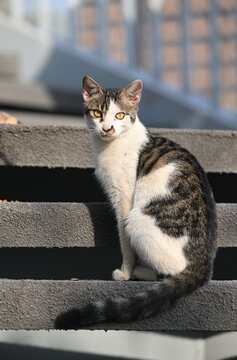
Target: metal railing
187	44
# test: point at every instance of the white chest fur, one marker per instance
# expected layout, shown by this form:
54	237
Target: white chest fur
116	163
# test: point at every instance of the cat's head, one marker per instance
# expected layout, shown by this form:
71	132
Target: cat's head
110	112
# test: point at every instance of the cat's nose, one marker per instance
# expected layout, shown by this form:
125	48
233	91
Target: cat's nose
107	129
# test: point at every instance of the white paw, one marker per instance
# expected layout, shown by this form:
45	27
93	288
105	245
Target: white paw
120	275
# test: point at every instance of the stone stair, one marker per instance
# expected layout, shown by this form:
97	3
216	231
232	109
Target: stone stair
44	244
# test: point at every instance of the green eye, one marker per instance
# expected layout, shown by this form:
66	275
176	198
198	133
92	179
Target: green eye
120	115
97	113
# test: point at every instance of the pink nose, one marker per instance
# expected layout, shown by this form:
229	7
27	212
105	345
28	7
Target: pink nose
107	128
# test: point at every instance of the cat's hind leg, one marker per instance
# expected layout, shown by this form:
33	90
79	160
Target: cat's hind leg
156	249
142	272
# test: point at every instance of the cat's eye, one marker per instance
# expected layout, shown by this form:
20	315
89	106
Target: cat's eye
97	113
120	115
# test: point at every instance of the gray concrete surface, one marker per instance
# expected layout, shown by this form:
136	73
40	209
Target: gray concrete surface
83	224
29	304
51	146
69	146
57	225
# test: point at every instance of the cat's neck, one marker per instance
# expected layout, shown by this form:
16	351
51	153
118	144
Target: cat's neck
136	136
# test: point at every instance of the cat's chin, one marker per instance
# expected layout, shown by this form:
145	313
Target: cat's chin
107	137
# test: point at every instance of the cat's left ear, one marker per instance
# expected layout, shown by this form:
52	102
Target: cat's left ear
132	93
90	88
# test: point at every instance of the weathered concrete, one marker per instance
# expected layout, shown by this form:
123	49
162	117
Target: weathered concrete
69	146
57	225
51	146
34	304
227	225
83	224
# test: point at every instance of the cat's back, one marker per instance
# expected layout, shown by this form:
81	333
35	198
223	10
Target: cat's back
160	153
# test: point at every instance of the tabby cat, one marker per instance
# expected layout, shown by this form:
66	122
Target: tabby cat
163	203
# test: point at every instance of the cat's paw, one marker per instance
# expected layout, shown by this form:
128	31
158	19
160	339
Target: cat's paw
120	275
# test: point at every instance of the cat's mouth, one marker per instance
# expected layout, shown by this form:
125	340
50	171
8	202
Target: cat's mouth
107	134
106	137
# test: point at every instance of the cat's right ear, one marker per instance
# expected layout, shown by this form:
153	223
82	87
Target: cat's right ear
90	88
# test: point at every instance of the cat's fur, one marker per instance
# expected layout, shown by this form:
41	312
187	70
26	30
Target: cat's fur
163	203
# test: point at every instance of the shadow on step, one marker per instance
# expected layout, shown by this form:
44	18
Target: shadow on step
37	184
85	263
20	352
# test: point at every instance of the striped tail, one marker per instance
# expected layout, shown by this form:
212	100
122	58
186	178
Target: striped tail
161	295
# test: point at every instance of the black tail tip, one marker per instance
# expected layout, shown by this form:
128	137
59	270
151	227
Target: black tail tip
68	320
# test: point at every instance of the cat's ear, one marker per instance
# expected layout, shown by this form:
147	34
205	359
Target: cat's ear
90	88
132	93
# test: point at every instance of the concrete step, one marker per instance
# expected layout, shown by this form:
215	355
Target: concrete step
69	146
34	305
28	228
81	224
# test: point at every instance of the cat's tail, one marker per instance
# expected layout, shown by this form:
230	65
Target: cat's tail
161	295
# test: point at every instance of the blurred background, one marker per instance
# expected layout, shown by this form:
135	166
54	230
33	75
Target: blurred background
184	51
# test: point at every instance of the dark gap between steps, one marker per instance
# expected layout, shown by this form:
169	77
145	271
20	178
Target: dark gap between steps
41	184
85	263
64	264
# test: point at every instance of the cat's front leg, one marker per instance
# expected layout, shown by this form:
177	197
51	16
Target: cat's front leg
128	255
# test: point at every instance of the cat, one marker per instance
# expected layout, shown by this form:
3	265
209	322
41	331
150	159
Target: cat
163	203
